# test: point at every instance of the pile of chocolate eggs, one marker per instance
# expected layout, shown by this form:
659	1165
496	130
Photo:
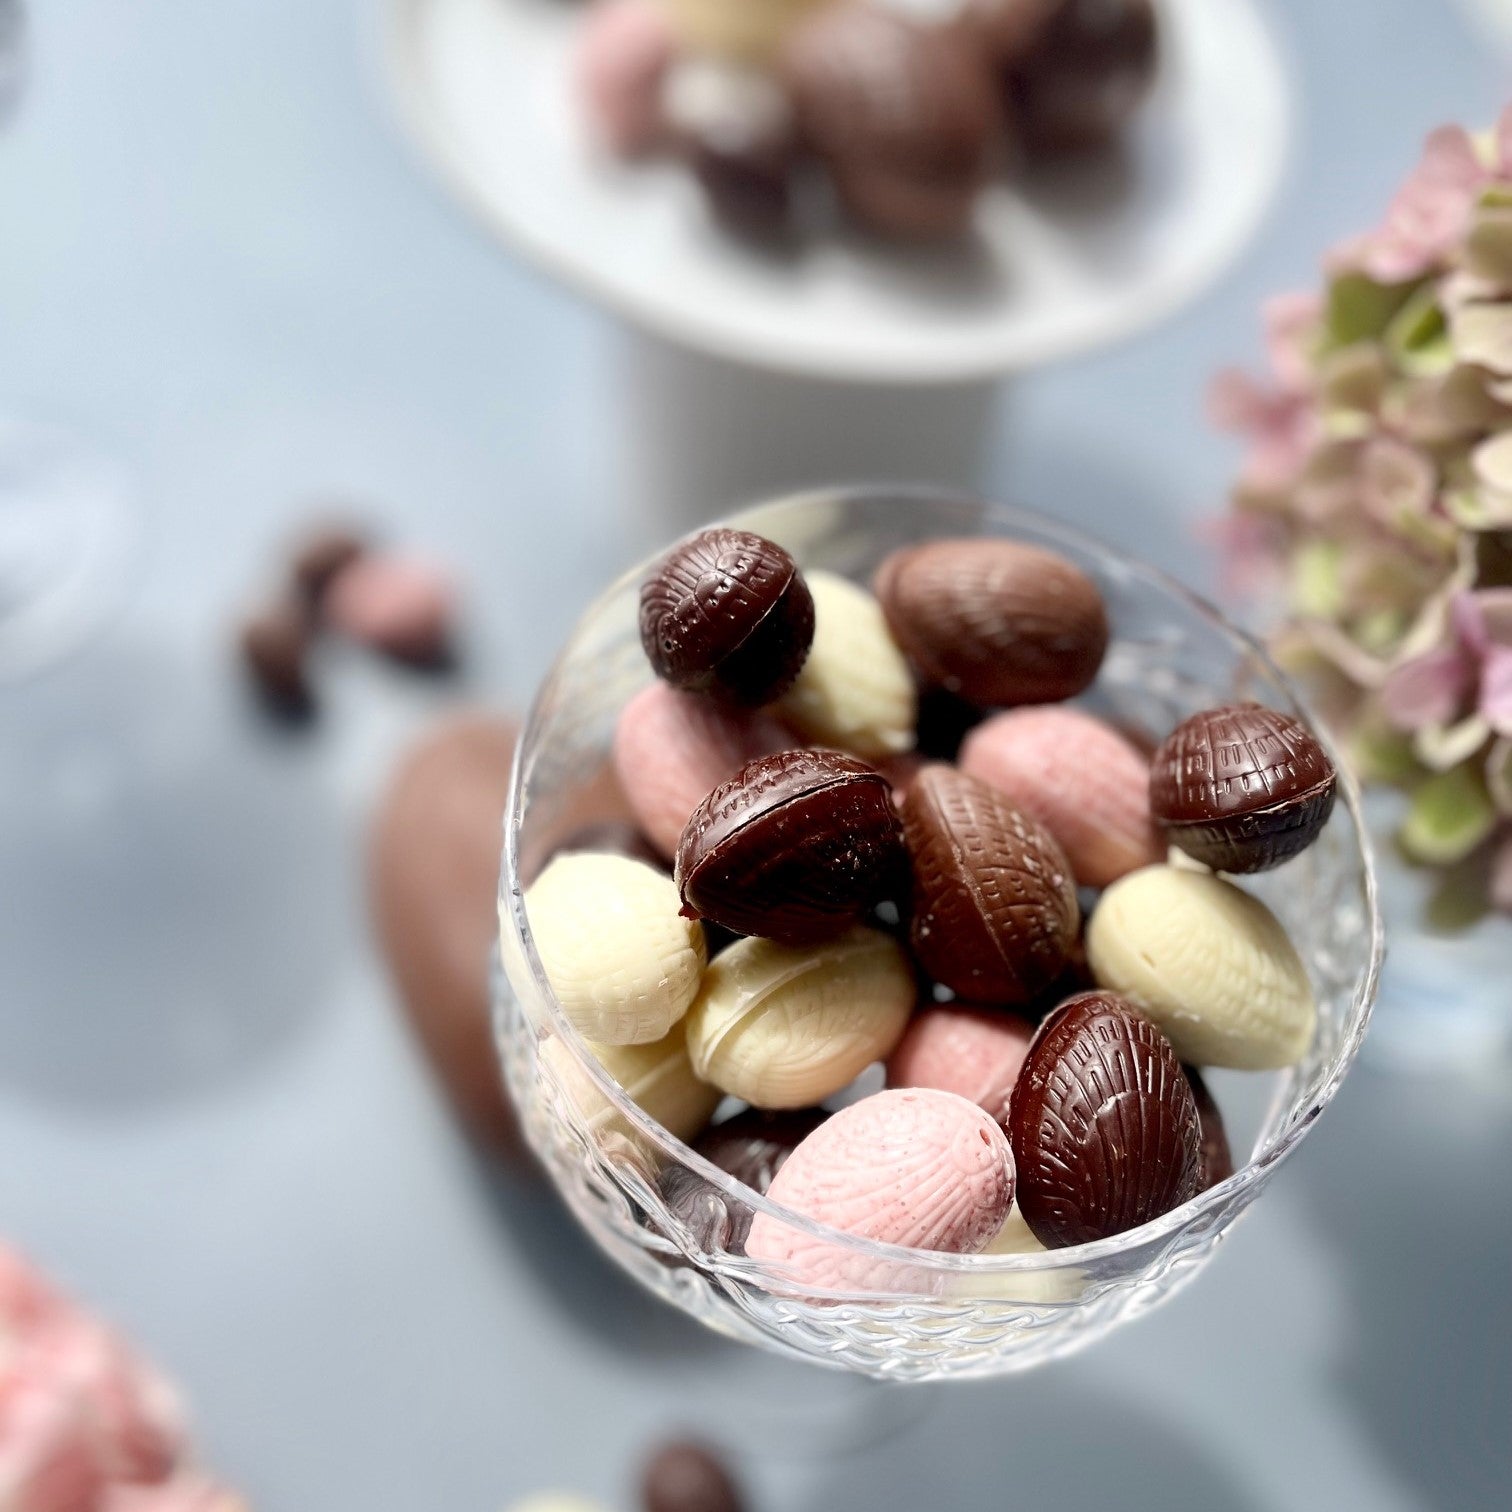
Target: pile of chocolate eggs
1034	926
900	121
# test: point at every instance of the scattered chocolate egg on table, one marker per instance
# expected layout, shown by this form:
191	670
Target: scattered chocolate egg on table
795	847
855	691
275	649
433	879
402	606
785	1027
672	749
727	613
994	908
623	53
903	116
1243	788
999	623
685	1476
1103	1124
1080	778
918	1168
320	555
623	962
977	1053
657	1077
1209	963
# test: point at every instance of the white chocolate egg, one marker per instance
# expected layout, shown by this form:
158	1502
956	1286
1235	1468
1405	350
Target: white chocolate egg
855	691
623	962
786	1027
1211	965
749	30
658	1078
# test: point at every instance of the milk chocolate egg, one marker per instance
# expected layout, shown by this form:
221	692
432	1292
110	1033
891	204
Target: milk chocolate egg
685	1476
1210	964
997	622
433	880
994	908
918	1168
1080	778
795	847
904	116
1242	788
1103	1124
727	613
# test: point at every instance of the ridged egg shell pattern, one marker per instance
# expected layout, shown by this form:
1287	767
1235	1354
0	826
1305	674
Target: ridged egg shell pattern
786	1027
855	690
624	964
1210	964
918	1168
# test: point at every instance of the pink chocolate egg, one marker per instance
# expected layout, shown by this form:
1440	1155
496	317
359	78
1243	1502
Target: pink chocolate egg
624	50
671	750
48	1461
1080	778
975	1053
399	605
185	1493
919	1168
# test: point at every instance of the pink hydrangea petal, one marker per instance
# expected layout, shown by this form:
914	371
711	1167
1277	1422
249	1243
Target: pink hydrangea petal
1235	402
26	1296
1496	689
48	1458
1502	143
1395	479
1290	321
1425	690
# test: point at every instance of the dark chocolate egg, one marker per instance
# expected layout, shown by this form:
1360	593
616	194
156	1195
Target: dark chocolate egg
795	847
997	622
905	117
1103	1124
994	908
1217	1158
689	1477
727	612
1242	788
1085	74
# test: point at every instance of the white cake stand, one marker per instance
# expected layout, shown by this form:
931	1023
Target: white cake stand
1057	265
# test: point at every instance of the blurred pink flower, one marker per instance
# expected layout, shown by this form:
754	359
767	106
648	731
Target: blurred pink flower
1251	552
1291	322
1470	675
1281	427
187	1493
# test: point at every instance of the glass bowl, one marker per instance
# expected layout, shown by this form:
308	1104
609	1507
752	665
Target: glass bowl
910	1314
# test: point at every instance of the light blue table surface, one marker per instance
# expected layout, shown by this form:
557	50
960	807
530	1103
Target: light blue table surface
217	257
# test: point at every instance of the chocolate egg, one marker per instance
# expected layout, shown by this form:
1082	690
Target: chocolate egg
1085	73
1217	1159
1006	29
997	622
727	613
904	116
1242	788
974	1052
752	1147
689	1477
1080	778
433	870
320	555
275	649
1103	1123
918	1168
995	914
672	749
795	847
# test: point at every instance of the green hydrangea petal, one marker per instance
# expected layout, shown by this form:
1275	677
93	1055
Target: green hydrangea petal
1451	814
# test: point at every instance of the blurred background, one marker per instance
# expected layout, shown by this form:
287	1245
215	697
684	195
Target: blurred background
234	298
